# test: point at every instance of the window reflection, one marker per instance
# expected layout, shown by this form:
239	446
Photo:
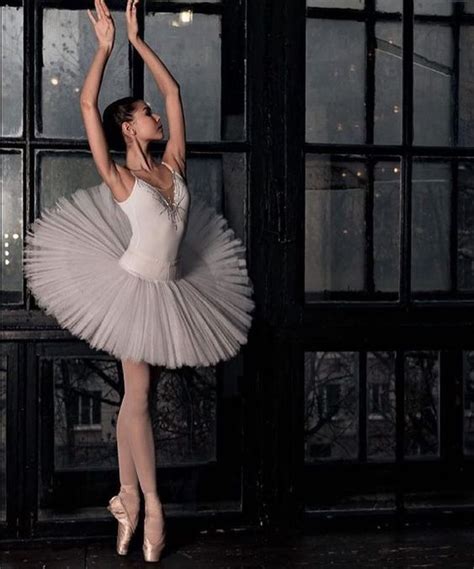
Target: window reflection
199	75
381	405
338	230
11	43
431	220
11	223
465	225
421	404
335	224
433	84
335	75
331	411
69	45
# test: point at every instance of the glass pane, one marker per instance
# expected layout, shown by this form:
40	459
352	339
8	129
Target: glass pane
11	108
433	85
76	455
435	7
466	63
465	229
468	405
11	222
334	224
331	405
386	218
431	215
381	405
388	83
62	173
3	436
69	46
335	81
184	417
336	3
390	6
198	74
421	404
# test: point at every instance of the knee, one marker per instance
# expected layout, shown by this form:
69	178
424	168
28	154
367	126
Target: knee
136	403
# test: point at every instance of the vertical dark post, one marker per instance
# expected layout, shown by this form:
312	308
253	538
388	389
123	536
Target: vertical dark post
407	158
276	59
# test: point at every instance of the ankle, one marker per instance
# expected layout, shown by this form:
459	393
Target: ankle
152	501
131	489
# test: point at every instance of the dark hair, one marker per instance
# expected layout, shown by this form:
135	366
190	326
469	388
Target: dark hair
113	117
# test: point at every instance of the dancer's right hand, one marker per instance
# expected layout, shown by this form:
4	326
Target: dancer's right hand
104	25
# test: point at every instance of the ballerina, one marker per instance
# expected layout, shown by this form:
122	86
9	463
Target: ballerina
139	268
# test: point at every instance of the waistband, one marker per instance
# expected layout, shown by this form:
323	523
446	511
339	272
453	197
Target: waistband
148	267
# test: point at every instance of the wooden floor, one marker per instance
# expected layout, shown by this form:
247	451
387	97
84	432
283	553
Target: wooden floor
417	549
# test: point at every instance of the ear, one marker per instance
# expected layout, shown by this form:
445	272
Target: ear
127	130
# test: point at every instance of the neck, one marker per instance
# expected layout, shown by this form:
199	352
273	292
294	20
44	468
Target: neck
139	159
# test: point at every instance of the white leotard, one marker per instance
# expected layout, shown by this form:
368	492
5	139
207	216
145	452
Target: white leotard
157	229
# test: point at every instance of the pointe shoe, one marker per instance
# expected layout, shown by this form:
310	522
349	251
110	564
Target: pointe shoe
126	528
152	551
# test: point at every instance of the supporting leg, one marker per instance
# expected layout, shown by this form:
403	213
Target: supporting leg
137	425
129	491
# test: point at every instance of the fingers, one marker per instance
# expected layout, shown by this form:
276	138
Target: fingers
131	6
98	9
91	17
104	8
101	8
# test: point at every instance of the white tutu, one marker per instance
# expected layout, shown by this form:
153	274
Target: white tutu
71	267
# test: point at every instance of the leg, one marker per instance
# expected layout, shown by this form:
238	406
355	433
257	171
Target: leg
137	422
129	492
139	433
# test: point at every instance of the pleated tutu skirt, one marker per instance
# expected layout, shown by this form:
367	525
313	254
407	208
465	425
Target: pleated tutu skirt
71	267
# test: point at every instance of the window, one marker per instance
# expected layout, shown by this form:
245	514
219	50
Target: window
87	408
384	221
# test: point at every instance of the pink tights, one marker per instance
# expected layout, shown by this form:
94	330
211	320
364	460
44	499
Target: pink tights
136	448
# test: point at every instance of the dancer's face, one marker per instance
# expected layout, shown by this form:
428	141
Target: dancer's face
145	124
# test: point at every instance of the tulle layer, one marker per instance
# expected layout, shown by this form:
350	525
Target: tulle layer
71	267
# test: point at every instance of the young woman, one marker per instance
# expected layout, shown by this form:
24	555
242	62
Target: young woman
137	268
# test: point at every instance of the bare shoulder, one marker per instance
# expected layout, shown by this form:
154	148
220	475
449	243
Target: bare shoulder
124	183
125	174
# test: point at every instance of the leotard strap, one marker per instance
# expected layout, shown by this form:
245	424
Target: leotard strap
172	170
168	166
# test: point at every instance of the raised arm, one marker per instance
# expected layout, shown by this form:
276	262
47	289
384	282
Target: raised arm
105	31
176	146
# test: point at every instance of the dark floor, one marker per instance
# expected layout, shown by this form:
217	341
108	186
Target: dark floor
420	549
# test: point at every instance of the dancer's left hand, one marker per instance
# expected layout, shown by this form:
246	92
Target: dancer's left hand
132	24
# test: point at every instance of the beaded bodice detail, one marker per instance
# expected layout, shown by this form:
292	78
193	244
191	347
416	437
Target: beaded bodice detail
173	209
